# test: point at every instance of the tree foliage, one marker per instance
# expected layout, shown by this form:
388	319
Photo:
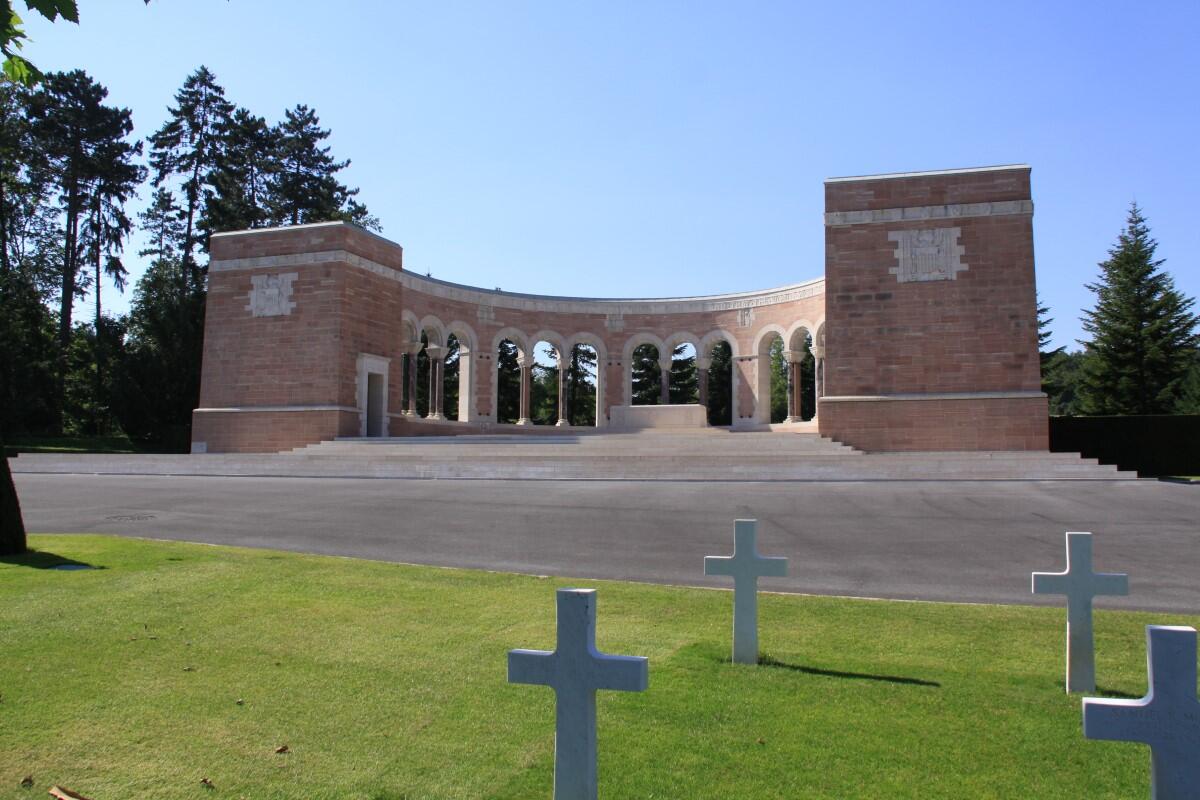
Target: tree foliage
720	385
1143	332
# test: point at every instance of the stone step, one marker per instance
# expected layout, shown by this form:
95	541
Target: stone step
662	467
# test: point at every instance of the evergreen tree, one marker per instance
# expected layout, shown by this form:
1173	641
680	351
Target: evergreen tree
304	184
188	148
1143	331
779	378
116	181
685	386
77	135
30	268
581	385
508	383
720	384
240	183
808	382
543	394
647	375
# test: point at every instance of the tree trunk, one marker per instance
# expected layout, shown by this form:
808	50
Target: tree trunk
12	527
70	235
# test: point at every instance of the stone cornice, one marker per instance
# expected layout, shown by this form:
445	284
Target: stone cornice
929	213
610	307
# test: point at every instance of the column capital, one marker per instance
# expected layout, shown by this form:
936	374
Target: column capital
524	361
434	351
665	364
793	356
411	348
703	362
818	351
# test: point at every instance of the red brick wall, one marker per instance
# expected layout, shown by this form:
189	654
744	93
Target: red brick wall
976	333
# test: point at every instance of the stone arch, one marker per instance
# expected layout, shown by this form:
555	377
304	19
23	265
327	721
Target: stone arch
762	364
719	335
597	343
410	326
795	335
434	329
467	355
633	343
555	340
524	350
704	351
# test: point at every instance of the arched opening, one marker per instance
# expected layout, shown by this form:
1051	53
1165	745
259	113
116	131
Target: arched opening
719	390
543	399
508	382
647	376
582	395
801	375
771	402
450	378
684	388
422	387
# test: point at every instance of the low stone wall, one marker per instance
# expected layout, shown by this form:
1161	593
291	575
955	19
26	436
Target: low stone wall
658	417
886	424
249	431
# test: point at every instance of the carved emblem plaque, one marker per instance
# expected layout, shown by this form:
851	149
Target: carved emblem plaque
271	295
927	254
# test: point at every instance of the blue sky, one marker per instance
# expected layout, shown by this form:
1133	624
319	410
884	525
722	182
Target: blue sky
665	148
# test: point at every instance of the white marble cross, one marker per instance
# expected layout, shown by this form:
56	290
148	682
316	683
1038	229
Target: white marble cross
1167	718
575	670
746	566
1080	584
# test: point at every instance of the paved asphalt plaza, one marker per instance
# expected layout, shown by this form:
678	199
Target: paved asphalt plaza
962	541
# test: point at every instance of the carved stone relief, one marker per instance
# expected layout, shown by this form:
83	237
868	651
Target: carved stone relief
927	254
271	295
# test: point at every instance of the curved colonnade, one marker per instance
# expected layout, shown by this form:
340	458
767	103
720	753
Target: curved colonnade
479	322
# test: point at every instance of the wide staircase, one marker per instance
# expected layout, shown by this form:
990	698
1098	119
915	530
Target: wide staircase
709	455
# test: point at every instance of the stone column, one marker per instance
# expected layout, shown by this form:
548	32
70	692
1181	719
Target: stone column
526	365
818	378
412	350
563	417
435	381
664	395
702	367
793	359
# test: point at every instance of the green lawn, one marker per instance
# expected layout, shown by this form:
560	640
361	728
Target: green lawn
176	662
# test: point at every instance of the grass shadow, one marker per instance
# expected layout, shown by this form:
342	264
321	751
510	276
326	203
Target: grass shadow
40	559
768	661
1100	690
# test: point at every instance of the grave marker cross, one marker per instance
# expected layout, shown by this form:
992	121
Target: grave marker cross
1167	718
575	670
746	566
1080	584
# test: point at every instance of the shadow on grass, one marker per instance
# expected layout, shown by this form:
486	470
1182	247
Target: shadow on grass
40	559
1100	690
767	661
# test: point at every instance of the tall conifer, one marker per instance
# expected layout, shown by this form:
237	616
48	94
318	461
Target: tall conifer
1143	331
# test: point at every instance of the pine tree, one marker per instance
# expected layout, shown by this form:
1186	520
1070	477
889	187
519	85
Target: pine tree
240	183
77	135
187	148
647	375
508	383
1143	331
581	385
304	185
685	385
720	383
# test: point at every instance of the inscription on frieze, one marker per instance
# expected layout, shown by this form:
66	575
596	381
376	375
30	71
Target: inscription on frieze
927	254
271	295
